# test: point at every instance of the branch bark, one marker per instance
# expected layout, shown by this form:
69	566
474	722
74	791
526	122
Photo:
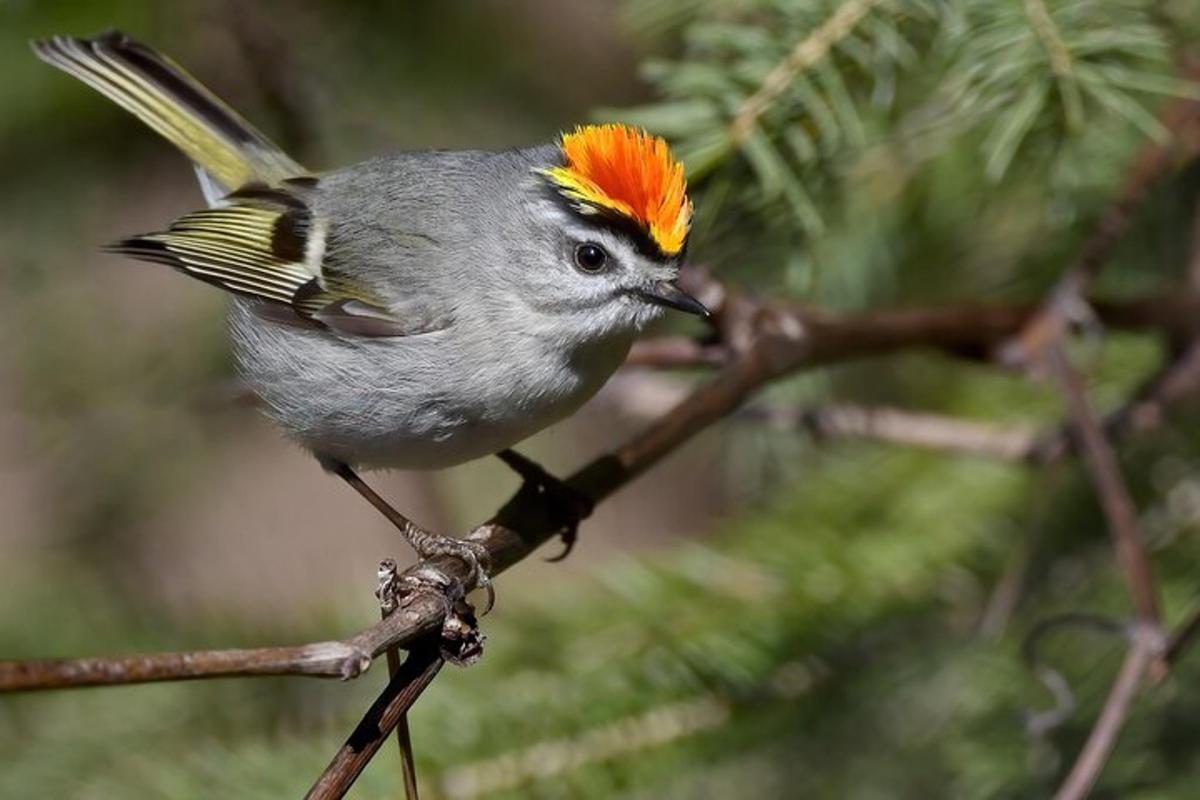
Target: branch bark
1114	496
345	658
1146	647
417	672
768	341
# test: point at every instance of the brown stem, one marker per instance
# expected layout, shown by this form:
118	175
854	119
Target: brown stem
1176	380
404	737
1146	647
346	658
418	670
1110	487
1009	442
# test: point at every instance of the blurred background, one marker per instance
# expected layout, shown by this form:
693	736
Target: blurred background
765	614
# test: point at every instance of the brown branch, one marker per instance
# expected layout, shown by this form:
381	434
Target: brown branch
967	329
417	672
645	395
1118	506
1177	380
1041	342
346	658
1145	648
772	341
972	330
1013	442
768	341
1156	161
1148	646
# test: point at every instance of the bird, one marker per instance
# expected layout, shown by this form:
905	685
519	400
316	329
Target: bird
419	309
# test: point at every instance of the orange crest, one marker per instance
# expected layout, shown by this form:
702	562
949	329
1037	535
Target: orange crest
629	172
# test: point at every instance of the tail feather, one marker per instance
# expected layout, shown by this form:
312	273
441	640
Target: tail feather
164	96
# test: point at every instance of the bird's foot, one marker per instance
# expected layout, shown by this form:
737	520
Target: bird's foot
462	641
568	505
479	561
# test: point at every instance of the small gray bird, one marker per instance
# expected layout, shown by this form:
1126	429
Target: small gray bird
417	310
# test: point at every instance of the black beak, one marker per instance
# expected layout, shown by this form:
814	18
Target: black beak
666	293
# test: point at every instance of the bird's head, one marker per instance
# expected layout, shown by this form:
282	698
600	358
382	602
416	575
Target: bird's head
610	212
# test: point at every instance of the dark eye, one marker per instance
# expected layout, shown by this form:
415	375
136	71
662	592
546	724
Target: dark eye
590	257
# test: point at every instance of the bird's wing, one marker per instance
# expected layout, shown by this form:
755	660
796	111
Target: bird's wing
261	241
269	245
163	95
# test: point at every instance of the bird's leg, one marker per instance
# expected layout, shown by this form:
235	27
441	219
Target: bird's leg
425	543
570	505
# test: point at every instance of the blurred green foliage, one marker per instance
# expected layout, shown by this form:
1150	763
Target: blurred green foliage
844	634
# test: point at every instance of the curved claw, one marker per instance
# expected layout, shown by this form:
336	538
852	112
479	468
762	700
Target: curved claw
569	505
491	599
569	537
479	560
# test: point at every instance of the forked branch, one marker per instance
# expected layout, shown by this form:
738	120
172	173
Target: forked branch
760	341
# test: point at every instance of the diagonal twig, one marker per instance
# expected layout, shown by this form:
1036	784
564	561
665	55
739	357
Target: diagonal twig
1157	160
1145	649
417	672
1175	381
1114	496
1041	341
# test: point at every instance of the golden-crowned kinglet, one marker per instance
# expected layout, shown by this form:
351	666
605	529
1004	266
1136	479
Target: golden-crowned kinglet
417	310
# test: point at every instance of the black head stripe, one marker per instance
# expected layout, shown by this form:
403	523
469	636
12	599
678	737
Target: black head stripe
629	229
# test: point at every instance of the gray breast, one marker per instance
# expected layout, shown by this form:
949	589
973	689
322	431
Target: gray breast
420	402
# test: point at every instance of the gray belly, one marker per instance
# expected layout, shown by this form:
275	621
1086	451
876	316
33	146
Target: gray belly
415	402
